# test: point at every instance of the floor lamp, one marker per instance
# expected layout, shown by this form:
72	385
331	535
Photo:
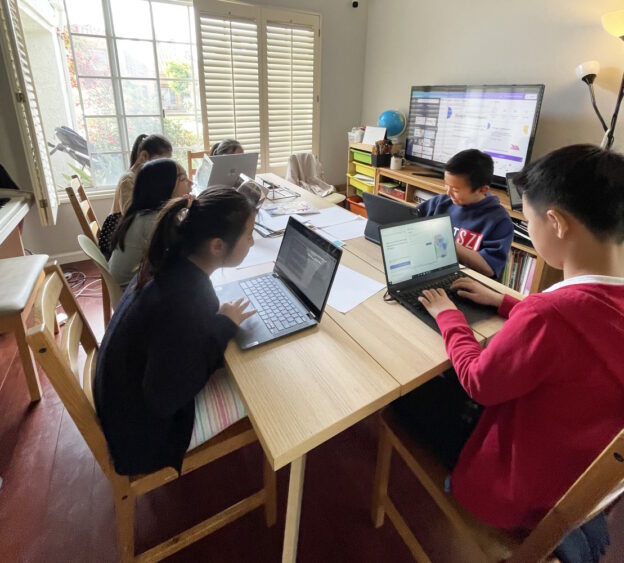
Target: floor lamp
613	22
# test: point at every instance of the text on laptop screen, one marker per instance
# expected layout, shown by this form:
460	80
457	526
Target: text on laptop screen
306	265
418	247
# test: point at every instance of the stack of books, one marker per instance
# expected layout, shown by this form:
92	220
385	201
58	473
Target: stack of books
519	271
521	232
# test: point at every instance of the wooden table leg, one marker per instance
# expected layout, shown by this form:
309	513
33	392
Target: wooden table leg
293	510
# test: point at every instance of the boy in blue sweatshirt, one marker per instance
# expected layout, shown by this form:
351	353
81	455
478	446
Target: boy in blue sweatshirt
482	228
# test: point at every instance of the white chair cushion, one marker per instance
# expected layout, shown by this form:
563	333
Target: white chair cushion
18	277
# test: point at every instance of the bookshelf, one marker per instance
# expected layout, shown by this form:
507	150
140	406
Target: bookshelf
525	270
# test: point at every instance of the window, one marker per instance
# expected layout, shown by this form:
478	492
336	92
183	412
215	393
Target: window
132	69
259	78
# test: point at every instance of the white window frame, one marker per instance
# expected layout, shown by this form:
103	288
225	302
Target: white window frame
24	97
116	78
261	16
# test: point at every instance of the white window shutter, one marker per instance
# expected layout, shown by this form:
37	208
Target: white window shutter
228	59
290	56
27	111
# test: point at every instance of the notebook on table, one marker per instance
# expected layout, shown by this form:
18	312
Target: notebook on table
293	296
420	254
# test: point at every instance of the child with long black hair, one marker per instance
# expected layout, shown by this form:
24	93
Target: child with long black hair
157	373
157	182
144	149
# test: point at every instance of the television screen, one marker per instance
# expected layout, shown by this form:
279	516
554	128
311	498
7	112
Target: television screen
498	120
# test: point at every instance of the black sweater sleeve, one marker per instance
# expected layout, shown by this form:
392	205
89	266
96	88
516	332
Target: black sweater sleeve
186	346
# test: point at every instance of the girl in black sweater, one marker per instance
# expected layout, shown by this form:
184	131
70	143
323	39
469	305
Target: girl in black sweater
168	334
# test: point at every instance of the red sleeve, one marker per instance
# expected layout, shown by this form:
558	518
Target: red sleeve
515	361
507	305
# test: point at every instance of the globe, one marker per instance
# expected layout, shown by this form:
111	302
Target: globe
394	122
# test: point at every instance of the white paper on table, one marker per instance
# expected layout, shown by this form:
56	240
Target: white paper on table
264	250
350	289
277	223
333	215
373	134
346	231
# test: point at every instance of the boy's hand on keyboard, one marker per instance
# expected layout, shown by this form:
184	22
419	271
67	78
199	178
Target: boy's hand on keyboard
436	301
235	310
471	289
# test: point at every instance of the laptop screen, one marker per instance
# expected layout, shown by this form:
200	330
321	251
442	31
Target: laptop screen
417	247
307	263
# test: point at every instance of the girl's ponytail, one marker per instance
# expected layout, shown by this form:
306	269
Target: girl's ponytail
166	242
135	148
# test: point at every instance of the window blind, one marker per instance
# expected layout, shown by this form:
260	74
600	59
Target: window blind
231	101
27	110
290	91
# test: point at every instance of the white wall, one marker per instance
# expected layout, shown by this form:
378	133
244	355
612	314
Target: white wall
418	42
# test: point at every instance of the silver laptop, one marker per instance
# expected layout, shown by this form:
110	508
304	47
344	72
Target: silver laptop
294	295
225	169
420	254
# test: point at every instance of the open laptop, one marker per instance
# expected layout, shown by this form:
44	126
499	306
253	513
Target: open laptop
294	295
225	169
420	254
383	211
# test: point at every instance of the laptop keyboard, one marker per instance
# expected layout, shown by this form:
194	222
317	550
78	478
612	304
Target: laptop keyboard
411	296
273	304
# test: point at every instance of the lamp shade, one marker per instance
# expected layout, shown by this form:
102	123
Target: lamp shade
613	22
588	68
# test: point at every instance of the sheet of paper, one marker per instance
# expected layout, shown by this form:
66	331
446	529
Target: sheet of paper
373	134
277	223
346	231
333	215
264	250
350	289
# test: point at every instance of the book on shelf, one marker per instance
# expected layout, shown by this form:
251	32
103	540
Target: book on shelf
519	271
365	179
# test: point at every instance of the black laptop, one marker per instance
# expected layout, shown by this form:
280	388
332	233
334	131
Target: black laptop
420	254
293	296
383	211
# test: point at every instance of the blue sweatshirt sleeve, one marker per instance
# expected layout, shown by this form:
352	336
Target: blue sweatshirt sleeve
430	207
495	246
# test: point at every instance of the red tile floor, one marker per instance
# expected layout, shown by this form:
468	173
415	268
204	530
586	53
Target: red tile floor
56	504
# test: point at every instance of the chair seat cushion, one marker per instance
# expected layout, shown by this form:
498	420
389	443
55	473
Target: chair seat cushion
18	277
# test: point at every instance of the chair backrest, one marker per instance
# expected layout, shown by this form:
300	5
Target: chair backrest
92	251
598	486
191	156
83	210
59	359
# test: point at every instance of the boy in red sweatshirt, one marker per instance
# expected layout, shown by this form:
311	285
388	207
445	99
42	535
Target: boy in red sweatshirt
551	382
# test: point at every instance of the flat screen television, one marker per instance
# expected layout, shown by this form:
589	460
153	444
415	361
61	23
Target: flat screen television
497	119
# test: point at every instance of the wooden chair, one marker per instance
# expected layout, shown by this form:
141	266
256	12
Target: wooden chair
60	362
91	229
111	291
600	485
83	210
191	156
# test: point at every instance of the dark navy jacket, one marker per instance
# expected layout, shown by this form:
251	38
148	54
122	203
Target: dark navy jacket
484	226
163	343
